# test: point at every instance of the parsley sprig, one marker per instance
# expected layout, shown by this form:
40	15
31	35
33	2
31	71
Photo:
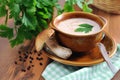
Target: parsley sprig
84	28
32	16
83	4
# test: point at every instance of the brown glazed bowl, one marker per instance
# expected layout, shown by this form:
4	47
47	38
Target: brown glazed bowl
79	43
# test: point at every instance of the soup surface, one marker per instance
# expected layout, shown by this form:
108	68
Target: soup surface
70	25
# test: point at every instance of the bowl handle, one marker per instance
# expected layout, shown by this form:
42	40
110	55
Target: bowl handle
104	20
53	27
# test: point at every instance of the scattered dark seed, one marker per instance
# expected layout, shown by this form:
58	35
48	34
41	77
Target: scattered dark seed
41	64
15	62
31	58
30	52
26	51
39	54
19	52
20	56
35	51
25	54
32	65
41	58
28	68
24	60
38	58
23	70
20	59
30	61
26	57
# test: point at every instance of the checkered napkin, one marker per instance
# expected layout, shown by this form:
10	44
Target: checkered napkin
58	71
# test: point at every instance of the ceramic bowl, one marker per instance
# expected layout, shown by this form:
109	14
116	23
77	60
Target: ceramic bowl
79	43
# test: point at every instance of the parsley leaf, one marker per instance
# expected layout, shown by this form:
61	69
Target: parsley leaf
28	3
19	39
84	5
14	10
29	21
68	7
6	31
86	8
32	16
2	10
21	35
84	28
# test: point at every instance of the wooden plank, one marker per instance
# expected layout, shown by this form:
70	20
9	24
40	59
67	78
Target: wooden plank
10	71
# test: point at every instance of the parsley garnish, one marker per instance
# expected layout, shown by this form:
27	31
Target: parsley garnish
84	28
32	16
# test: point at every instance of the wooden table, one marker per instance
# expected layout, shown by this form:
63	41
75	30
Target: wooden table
10	71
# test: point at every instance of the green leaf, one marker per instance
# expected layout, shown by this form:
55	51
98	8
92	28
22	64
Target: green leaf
59	9
29	3
68	7
84	5
80	4
55	1
3	2
19	38
14	10
84	28
31	10
44	23
42	14
32	16
18	1
89	1
46	2
39	5
2	11
86	8
6	32
27	33
22	34
39	29
29	21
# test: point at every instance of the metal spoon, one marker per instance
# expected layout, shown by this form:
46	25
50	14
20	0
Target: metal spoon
106	57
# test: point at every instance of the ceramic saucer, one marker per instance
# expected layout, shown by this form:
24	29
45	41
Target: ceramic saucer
89	58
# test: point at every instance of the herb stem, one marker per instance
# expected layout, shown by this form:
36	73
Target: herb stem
15	29
6	19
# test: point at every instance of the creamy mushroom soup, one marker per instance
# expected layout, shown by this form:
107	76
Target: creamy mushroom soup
70	25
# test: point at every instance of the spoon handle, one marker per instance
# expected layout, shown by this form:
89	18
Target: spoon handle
106	57
116	76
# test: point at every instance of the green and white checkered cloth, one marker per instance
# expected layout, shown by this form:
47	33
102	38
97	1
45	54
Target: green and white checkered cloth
58	71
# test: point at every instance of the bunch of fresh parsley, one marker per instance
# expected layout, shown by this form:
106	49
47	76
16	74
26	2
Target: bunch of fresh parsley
32	16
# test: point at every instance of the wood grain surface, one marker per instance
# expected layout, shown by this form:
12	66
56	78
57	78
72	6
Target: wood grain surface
8	55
